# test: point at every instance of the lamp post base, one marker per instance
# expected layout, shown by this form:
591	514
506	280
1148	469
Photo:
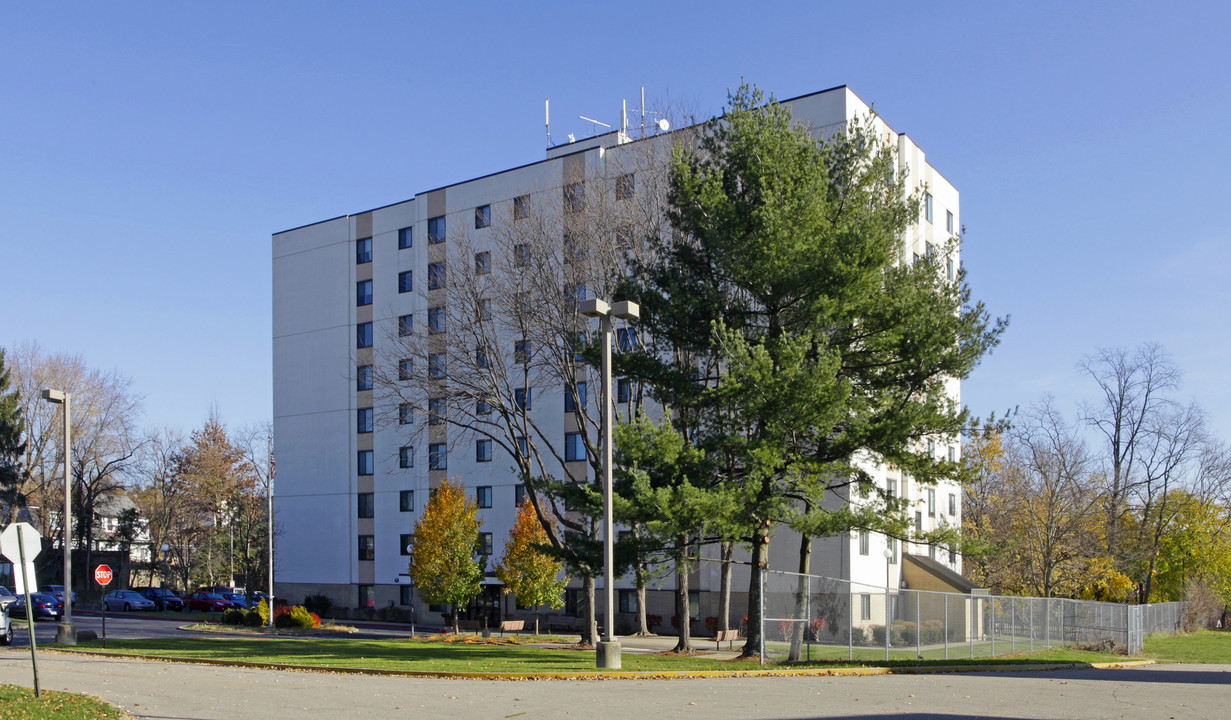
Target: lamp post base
66	633
608	654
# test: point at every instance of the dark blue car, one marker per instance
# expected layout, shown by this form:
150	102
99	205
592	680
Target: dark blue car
43	605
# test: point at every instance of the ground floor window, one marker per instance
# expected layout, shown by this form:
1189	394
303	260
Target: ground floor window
865	607
628	601
408	595
367	596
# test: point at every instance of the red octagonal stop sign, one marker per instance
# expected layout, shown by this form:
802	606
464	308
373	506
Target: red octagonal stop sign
102	574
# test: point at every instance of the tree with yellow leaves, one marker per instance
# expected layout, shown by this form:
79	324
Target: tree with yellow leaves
444	561
535	577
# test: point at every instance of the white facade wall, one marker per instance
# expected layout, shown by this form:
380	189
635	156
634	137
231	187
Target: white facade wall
316	402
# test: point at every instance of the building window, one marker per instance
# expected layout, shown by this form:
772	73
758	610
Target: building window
628	601
572	248
579	345
406	281
952	504
625	339
406	414
483	496
624	187
436	411
952	556
365	420
521	351
406	459
523	449
865	540
406	543
406	325
435	230
483	450
571	401
363	293
484	545
927	206
949	221
482	263
367	505
519	494
363	377
574	447
931	449
406	369
406	238
481	359
893	549
931	502
435	320
482	217
437	456
521	207
918	522
624	390
932	551
435	276
952	453
436	366
523	398
949	267
521	254
484	309
575	197
574	293
406	595
367	551
865	606
363	250
624	237
365	462
406	498
363	335
482	408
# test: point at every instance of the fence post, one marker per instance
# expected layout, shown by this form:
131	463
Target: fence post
888	622
807	615
971	605
1047	622
1030	610
850	621
993	603
1012	624
946	630
918	629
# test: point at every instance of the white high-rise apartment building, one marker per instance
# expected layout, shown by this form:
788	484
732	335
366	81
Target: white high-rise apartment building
353	477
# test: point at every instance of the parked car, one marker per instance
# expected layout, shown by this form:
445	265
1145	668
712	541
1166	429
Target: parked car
6	628
208	602
236	599
163	598
126	600
58	591
6	598
41	605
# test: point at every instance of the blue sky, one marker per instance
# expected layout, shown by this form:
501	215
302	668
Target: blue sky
149	150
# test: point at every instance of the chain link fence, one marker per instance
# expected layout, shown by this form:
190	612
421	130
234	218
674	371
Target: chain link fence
811	617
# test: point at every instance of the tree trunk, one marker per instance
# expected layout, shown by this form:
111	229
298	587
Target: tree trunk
456	626
726	553
801	600
684	642
590	632
760	560
643	627
536	619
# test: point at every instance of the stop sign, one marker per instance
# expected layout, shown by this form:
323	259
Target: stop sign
102	574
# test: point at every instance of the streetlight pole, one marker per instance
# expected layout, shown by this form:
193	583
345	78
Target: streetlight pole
165	549
66	632
608	650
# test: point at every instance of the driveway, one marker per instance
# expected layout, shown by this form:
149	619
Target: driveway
172	691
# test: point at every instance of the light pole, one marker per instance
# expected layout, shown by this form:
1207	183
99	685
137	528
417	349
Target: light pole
66	632
165	549
608	650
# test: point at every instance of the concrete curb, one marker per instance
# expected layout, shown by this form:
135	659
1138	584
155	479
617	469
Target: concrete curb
615	675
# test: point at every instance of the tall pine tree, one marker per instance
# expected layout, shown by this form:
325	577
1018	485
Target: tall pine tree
12	445
788	337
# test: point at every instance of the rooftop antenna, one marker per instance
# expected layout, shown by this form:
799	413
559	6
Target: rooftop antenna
547	118
661	123
596	122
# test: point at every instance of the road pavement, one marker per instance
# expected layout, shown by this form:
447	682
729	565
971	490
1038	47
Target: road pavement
173	691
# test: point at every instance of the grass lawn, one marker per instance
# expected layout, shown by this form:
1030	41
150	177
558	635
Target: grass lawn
1206	646
475	657
18	703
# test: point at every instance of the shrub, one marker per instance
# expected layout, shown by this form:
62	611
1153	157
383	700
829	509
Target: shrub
262	610
878	634
653	621
252	618
711	624
319	604
285	620
233	617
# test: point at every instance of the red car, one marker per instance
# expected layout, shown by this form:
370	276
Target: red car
207	602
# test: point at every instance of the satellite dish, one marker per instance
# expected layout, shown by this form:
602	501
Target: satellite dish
663	125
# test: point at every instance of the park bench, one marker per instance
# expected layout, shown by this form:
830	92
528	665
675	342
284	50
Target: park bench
513	626
727	636
471	625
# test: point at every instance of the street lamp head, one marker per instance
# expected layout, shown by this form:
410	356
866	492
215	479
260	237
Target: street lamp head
165	547
55	396
593	307
626	310
888	554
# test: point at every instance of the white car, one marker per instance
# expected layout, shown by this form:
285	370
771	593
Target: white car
6	629
127	600
6	598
